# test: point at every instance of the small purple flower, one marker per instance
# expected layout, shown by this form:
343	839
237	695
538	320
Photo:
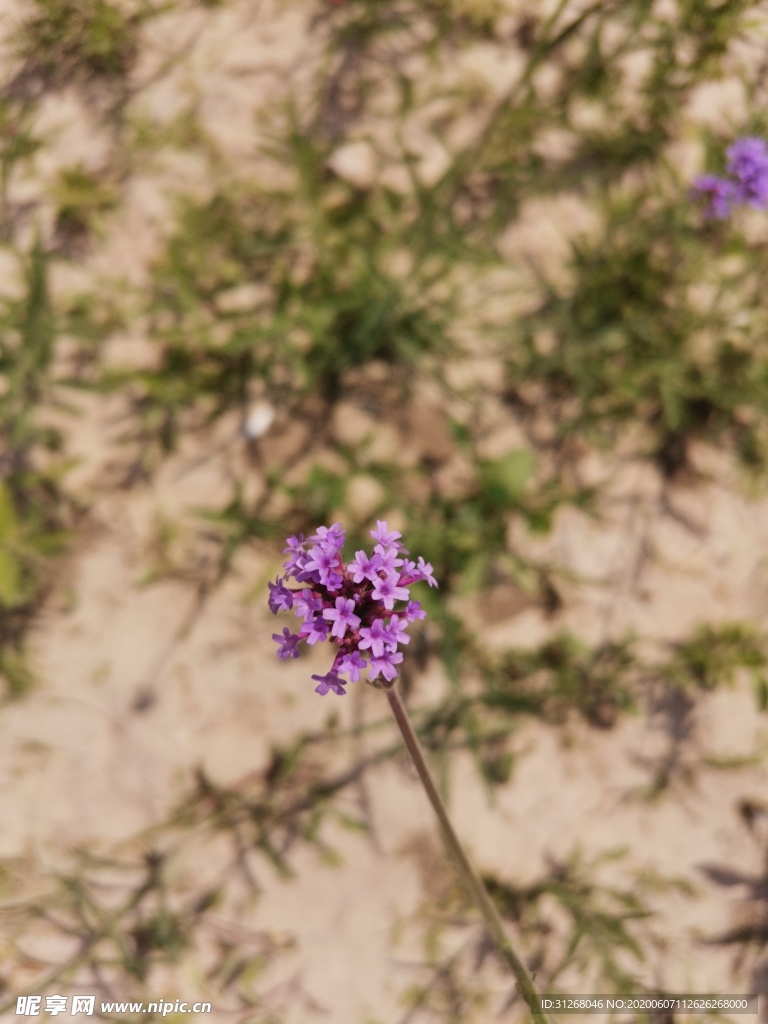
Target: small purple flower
352	664
396	633
330	681
414	611
300	562
748	162
385	665
317	630
388	560
288	642
748	184
280	598
323	562
388	591
719	192
350	620
374	636
425	569
363	567
306	603
384	536
322	559
295	549
343	616
331	535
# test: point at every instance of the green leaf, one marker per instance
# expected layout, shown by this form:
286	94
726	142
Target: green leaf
8	524
504	480
761	693
351	823
474	574
11	593
461	433
18	675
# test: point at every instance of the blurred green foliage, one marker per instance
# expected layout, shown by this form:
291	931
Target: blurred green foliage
64	40
628	342
34	514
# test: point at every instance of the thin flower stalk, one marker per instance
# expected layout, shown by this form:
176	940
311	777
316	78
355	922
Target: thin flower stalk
469	876
364	608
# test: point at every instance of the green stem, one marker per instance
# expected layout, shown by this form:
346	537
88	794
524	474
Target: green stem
469	876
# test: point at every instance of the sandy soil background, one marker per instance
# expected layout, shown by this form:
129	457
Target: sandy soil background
137	691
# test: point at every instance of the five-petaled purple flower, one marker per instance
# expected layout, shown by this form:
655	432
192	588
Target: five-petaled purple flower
374	637
363	567
343	616
386	537
351	606
287	641
386	665
388	591
748	165
324	561
280	597
353	663
330	681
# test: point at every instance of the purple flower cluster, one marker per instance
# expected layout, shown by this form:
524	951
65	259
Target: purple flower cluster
748	184
352	606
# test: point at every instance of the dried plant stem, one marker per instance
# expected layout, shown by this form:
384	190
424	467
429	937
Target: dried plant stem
469	876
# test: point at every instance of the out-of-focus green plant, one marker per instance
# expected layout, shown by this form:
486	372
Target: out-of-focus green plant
34	516
651	329
80	200
713	654
131	922
18	144
64	40
570	918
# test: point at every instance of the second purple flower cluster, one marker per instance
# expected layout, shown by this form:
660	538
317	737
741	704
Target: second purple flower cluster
748	184
352	606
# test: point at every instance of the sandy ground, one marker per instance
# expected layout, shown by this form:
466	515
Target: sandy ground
107	744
